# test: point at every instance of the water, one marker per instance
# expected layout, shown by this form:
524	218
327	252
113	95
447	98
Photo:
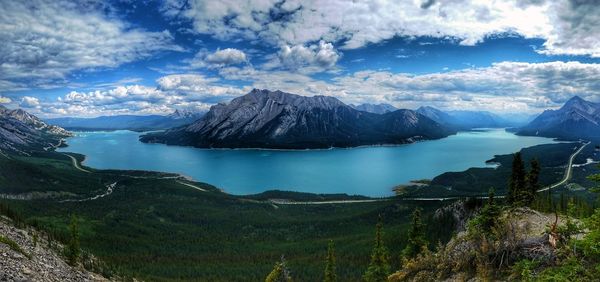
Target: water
370	171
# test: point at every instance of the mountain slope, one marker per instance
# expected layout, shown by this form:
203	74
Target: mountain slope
130	122
375	108
30	258
576	119
274	119
22	132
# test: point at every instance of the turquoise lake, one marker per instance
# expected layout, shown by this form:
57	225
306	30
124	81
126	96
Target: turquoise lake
370	171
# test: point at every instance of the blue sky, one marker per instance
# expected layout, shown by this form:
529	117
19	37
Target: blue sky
65	58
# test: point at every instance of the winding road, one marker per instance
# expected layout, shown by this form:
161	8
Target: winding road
568	171
76	163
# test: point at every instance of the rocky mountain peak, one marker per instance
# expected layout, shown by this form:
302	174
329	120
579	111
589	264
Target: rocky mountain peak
580	105
275	119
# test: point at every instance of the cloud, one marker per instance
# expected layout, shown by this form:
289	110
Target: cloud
4	100
180	91
227	56
44	41
29	102
218	59
575	30
569	27
197	87
502	87
311	58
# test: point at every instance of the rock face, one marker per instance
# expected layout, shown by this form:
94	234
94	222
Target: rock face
22	132
129	122
576	119
44	265
274	119
375	108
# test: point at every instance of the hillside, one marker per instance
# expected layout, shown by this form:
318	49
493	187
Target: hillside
576	119
27	257
274	119
22	132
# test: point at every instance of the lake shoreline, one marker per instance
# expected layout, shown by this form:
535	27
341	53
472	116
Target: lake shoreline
365	170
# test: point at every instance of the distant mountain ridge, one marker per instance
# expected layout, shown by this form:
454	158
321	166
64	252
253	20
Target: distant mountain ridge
375	108
576	119
129	122
275	119
22	132
468	119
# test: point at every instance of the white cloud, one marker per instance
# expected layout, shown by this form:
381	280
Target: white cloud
29	102
569	27
4	100
306	58
181	91
44	41
227	56
502	87
218	59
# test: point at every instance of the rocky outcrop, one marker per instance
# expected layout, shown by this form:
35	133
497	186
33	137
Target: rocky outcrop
34	261
520	233
22	132
274	119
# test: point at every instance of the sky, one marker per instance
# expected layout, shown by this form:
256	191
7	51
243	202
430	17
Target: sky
92	58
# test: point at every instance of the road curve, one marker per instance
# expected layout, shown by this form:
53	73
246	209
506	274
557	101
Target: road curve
568	173
568	170
76	163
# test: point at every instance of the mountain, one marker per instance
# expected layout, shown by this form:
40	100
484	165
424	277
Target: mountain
274	119
22	132
576	119
130	122
375	108
469	119
436	115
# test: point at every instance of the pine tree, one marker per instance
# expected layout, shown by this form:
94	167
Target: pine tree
532	183
416	236
517	180
280	272
488	217
330	274
73	250
379	268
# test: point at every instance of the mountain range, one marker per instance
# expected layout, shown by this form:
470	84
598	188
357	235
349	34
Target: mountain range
129	122
275	119
21	132
463	120
374	108
576	119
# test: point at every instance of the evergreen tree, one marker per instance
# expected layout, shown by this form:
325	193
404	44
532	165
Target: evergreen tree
73	250
533	184
517	180
379	268
416	236
280	272
330	275
488	217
